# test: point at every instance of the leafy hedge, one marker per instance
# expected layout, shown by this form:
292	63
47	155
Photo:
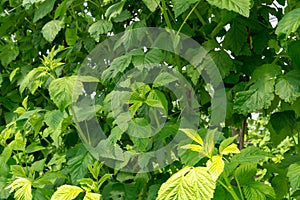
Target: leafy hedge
46	100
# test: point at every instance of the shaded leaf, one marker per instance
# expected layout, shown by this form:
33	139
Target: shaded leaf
43	9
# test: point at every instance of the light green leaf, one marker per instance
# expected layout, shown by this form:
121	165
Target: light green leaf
22	188
226	143
100	27
240	6
289	23
294	176
92	196
193	135
62	90
114	10
288	86
188	184
215	166
43	9
151	4
51	29
66	192
8	53
232	148
180	6
193	147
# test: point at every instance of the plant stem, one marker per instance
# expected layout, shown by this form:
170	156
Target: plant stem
188	16
164	11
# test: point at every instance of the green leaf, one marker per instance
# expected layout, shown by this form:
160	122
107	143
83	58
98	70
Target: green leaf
245	173
43	9
288	86
100	27
8	53
259	191
240	6
79	162
188	184
235	38
63	90
71	36
164	78
62	8
51	29
114	10
54	119
289	23
22	188
117	66
180	6
294	176
261	93
193	135
151	4
215	166
250	154
66	192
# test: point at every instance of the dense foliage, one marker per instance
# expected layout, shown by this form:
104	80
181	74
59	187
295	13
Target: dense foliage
42	153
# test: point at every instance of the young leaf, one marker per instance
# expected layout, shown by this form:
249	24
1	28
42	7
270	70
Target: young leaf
66	192
92	196
232	148
289	23
188	184
51	29
215	166
226	143
240	6
193	147
193	135
22	188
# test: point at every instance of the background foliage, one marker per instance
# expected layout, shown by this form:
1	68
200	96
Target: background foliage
43	43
